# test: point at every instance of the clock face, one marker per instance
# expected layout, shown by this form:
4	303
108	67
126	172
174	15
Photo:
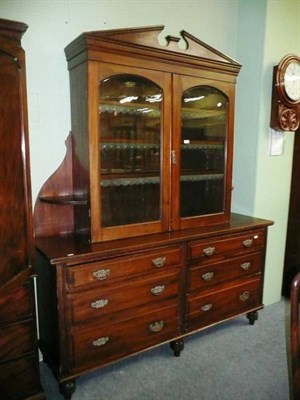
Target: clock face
291	80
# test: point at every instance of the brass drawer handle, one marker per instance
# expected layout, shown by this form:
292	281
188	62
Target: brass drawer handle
245	266
248	242
157	290
206	307
101	341
99	303
159	261
208	276
209	251
244	296
156	326
101	274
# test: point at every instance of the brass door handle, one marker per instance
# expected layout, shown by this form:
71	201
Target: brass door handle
101	341
208	276
159	261
245	266
209	251
101	274
206	307
248	242
156	326
157	290
99	303
244	296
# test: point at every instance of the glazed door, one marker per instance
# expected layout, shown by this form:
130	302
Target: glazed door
132	184
202	152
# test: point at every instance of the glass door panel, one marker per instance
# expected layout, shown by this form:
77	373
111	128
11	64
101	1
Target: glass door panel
130	142
204	114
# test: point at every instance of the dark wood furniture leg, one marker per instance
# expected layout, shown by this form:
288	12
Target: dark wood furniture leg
177	346
252	316
67	388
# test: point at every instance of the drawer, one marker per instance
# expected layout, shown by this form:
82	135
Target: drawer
16	340
201	277
17	304
123	267
124	297
215	307
214	248
100	345
19	379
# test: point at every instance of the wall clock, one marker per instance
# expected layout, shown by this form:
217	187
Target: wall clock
285	108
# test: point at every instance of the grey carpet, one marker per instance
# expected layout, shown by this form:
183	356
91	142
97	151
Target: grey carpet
231	361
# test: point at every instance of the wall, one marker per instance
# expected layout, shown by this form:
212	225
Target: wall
274	173
54	24
242	29
267	30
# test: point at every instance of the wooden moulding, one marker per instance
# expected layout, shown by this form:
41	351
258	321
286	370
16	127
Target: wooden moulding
54	207
12	29
144	42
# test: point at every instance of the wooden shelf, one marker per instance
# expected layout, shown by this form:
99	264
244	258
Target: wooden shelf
64	200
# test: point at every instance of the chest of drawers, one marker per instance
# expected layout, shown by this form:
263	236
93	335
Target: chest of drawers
99	303
138	293
18	343
225	277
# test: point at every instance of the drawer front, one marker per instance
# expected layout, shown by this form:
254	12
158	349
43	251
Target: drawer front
17	304
123	267
210	308
136	293
213	274
100	345
19	379
207	250
16	340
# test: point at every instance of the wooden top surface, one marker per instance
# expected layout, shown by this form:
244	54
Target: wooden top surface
72	249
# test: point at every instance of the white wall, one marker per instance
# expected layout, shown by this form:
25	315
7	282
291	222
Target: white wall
267	30
274	173
54	24
249	31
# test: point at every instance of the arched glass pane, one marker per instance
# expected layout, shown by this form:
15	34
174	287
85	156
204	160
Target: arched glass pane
130	132
203	133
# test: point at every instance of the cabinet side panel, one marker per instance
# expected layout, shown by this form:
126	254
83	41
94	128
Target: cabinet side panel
13	240
48	312
79	118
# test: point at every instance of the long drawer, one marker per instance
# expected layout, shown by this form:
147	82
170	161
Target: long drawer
16	340
99	345
204	277
18	377
105	302
217	306
217	248
17	304
100	272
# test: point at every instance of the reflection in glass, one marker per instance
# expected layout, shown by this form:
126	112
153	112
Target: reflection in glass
130	126
203	133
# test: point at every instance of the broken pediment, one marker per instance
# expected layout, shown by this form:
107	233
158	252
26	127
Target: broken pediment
148	39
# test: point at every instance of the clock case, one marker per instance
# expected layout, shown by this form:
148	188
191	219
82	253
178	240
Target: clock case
285	112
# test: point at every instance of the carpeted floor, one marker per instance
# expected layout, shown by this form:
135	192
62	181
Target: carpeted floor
232	361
